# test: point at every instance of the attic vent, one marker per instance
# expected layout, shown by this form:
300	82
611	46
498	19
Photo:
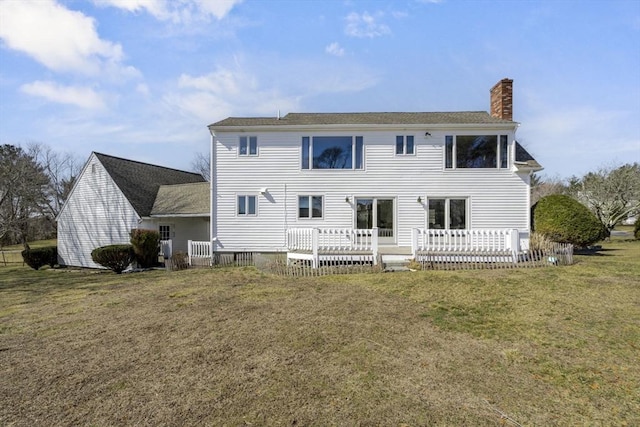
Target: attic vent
93	169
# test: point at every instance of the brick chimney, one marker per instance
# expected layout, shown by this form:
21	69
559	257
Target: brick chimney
502	100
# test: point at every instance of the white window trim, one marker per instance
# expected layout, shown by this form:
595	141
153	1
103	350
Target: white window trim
310	217
248	137
404	146
238	214
467	210
172	232
454	153
329	170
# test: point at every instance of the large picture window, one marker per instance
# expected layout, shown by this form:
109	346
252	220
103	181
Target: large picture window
309	206
447	214
332	152
476	152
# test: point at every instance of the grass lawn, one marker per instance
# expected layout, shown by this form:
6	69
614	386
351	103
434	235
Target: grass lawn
547	346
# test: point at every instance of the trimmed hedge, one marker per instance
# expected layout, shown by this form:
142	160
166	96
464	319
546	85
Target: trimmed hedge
146	246
113	257
565	220
39	257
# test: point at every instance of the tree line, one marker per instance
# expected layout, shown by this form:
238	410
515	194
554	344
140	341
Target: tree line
612	193
34	183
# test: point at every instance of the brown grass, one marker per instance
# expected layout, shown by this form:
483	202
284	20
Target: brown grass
552	346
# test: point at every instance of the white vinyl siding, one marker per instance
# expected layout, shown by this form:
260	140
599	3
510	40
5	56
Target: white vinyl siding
496	198
96	214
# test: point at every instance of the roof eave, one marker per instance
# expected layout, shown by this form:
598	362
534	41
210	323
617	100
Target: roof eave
531	166
361	126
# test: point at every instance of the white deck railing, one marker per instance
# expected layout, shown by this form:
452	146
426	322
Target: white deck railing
311	242
427	240
199	250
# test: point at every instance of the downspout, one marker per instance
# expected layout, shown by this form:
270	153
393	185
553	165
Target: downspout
212	202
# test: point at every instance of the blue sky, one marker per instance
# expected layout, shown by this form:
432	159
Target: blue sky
142	79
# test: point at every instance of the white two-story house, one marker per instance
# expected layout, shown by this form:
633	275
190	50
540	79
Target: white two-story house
393	172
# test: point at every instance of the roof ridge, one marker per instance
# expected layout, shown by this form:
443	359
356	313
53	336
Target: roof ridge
144	163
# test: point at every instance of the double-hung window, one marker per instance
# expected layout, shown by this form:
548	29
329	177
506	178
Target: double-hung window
248	146
247	206
404	144
476	152
309	206
447	213
332	152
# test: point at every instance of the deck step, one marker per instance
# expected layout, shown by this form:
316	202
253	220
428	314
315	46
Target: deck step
396	262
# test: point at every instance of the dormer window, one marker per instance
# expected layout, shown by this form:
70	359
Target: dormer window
476	152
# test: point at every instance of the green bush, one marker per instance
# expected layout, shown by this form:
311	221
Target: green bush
565	220
113	257
146	247
636	228
38	257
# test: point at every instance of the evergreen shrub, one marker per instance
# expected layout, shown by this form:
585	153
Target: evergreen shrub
113	257
146	247
565	220
39	257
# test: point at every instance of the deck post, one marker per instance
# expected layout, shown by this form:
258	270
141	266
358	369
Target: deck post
374	244
414	243
189	250
314	247
515	244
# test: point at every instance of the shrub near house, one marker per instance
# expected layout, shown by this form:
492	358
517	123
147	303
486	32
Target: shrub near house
146	247
113	257
565	220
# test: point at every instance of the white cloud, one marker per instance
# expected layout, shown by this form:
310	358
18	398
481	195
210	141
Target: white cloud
365	25
83	97
61	39
334	49
184	11
226	92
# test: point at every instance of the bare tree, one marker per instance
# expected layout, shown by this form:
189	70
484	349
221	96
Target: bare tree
201	164
62	170
612	193
542	186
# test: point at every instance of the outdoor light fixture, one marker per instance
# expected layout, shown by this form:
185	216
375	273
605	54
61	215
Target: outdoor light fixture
419	199
426	134
264	190
346	199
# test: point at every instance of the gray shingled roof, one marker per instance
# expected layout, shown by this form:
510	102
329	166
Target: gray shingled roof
182	199
301	119
523	156
139	182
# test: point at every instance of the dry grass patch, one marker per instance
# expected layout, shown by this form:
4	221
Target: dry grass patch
234	346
